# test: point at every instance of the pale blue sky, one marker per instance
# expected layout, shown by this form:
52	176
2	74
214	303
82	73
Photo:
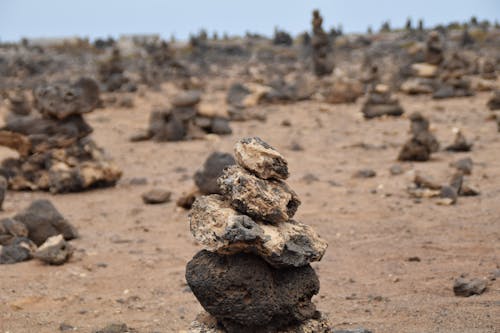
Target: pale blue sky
100	18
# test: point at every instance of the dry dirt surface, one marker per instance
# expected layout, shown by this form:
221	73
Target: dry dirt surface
130	259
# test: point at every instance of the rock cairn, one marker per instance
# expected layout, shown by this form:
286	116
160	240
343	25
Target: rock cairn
380	102
39	231
56	152
254	273
422	143
111	74
183	121
321	47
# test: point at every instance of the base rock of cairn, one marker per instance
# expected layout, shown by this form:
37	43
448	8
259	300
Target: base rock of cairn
56	152
254	274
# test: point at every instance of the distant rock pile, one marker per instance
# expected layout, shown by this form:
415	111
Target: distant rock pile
321	47
183	121
254	274
380	102
422	143
56	152
39	231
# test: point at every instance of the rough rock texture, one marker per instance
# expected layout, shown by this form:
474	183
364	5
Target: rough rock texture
61	100
55	251
247	295
21	249
260	158
220	228
269	200
56	152
43	220
464	287
206	178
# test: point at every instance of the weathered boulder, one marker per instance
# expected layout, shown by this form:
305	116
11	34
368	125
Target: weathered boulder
260	158
43	220
63	99
20	249
245	294
219	228
187	98
268	200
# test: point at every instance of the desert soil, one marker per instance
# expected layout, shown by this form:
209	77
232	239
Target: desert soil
130	259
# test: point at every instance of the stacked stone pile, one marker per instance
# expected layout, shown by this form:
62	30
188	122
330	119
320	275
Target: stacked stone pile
55	150
254	274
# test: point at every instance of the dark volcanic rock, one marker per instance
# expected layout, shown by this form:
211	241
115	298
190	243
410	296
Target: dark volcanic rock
206	178
43	221
220	126
365	173
466	288
460	144
247	295
236	94
20	249
464	165
422	143
494	102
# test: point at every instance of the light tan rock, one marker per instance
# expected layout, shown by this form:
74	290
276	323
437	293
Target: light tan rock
424	70
268	200
55	251
260	158
220	228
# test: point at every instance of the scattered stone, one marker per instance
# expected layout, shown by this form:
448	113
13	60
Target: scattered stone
426	182
186	200
247	295
206	178
269	200
11	229
43	220
356	330
186	99
20	249
396	169
468	190
55	251
116	328
465	288
260	158
460	144
63	327
414	259
156	196
365	173
464	165
448	192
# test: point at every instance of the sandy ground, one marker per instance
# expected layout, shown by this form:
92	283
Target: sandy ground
130	259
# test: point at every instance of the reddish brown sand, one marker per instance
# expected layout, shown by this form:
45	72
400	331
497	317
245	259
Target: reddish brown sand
372	225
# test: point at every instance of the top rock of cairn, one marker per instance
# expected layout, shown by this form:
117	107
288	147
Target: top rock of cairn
261	159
